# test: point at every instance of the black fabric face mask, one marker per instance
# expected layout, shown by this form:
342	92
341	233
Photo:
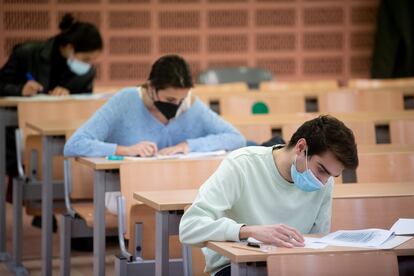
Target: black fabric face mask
167	109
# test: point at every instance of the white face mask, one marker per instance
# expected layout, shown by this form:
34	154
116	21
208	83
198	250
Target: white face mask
78	67
306	181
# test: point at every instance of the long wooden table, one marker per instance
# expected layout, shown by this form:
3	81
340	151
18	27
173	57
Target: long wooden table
167	203
247	262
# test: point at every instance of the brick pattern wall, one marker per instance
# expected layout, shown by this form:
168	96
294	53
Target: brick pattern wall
295	39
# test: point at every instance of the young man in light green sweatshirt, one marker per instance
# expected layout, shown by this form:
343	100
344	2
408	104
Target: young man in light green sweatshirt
273	194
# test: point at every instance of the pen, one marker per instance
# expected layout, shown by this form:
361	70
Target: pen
29	76
248	248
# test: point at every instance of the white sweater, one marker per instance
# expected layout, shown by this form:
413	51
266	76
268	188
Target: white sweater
247	189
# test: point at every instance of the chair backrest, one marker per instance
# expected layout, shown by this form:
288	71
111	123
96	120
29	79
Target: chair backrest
370	212
65	110
314	86
255	132
158	175
326	264
252	76
361	100
242	105
402	131
381	83
386	166
364	131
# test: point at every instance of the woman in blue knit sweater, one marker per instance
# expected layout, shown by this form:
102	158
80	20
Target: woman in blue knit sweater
159	117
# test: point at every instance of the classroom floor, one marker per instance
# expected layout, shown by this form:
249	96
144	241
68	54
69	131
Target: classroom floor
81	263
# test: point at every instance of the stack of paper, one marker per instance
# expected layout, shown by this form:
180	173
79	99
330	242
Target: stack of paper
357	238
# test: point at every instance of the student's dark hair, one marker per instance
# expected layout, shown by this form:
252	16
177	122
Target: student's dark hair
170	71
326	133
84	37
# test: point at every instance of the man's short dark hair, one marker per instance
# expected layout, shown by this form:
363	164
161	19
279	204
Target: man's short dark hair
326	133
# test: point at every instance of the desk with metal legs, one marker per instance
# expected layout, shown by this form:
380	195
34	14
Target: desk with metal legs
167	202
167	205
106	179
8	117
247	261
53	141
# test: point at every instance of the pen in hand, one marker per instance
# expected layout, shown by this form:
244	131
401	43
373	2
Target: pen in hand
31	87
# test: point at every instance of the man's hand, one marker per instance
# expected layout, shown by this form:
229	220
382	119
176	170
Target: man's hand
179	148
59	91
143	149
277	234
31	88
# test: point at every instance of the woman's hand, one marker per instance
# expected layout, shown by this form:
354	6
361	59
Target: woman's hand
143	149
277	234
31	88
59	91
179	148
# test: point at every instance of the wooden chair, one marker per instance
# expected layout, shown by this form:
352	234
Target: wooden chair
381	211
356	263
367	126
255	132
381	83
154	175
243	105
361	100
304	86
386	166
65	110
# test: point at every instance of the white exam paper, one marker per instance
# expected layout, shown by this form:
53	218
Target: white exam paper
403	226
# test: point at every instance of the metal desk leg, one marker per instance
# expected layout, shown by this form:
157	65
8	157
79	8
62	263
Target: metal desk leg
8	117
99	187
161	244
239	269
47	205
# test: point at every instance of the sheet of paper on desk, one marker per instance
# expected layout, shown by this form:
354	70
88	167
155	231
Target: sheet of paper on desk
311	243
191	155
314	244
403	226
46	97
357	238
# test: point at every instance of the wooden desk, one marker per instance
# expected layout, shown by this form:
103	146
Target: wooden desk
107	178
8	117
54	127
168	202
53	140
240	257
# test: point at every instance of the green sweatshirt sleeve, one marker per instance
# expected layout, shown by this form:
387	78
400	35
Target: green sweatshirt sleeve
323	220
204	220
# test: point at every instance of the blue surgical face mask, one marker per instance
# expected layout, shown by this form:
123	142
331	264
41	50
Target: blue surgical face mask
78	67
306	181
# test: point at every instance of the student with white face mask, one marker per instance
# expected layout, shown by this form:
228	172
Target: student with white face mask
59	66
273	194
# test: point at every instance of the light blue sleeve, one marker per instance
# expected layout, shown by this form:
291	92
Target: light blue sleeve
219	134
89	139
